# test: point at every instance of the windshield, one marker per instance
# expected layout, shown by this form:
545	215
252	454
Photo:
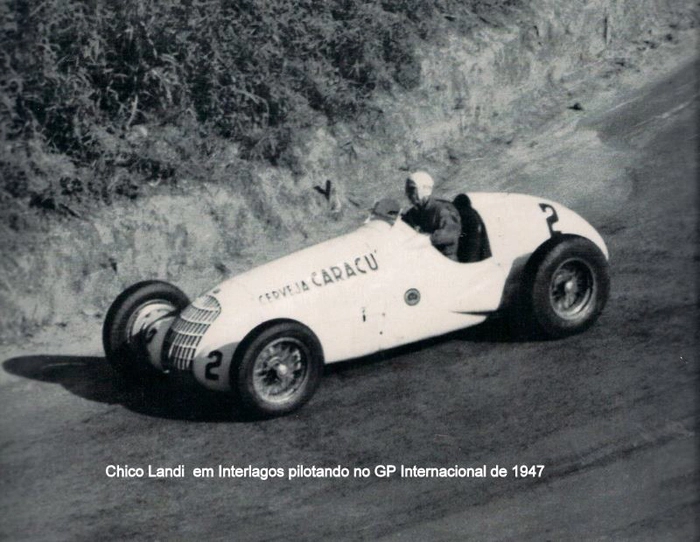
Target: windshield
387	210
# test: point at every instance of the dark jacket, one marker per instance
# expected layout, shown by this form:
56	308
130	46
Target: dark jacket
441	220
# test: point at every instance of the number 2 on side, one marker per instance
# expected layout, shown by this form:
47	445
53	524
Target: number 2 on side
552	219
209	373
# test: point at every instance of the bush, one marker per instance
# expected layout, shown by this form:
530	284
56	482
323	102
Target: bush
80	75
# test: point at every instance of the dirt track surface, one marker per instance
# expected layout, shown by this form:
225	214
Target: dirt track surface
609	413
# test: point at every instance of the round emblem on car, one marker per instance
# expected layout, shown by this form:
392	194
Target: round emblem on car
412	297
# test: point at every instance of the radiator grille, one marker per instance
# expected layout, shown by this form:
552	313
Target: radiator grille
184	335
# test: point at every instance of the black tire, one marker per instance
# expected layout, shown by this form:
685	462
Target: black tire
263	376
123	345
566	287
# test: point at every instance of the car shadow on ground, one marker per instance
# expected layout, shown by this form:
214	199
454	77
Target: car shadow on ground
92	378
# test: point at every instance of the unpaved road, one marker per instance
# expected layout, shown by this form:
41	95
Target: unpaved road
609	413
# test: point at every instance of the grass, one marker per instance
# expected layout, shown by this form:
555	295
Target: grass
100	99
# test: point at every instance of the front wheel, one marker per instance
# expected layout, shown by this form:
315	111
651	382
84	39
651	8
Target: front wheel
568	288
128	318
279	370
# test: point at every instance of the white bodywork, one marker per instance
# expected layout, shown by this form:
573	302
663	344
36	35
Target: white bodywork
379	287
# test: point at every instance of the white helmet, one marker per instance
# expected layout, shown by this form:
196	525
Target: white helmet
421	183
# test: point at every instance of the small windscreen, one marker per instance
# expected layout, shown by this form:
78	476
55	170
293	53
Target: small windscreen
386	209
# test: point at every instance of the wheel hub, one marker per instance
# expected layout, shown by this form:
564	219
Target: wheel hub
572	289
146	315
280	370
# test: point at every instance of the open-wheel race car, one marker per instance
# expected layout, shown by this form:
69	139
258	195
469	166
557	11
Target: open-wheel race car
266	334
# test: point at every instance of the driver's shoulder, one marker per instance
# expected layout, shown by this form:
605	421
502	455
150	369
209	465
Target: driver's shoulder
445	207
441	202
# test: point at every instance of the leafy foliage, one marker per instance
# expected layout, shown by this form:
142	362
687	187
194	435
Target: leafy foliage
79	76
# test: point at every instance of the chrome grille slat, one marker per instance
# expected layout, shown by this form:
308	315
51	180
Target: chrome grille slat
186	332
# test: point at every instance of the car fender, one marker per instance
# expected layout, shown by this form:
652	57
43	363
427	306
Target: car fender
518	225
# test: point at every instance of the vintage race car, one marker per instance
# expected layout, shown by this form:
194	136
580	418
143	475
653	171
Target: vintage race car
266	334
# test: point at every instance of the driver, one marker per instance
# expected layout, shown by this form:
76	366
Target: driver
438	218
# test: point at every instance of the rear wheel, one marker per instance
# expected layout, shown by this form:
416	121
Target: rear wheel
128	318
568	287
279	370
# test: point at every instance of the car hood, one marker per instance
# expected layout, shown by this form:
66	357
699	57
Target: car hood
338	259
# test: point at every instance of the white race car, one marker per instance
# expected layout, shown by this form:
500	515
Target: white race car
266	334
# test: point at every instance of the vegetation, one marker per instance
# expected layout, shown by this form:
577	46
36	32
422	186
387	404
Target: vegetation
98	98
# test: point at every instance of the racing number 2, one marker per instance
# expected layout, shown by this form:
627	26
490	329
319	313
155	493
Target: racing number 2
552	219
216	358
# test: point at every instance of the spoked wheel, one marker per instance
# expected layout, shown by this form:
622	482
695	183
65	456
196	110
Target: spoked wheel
128	319
279	370
568	288
572	289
